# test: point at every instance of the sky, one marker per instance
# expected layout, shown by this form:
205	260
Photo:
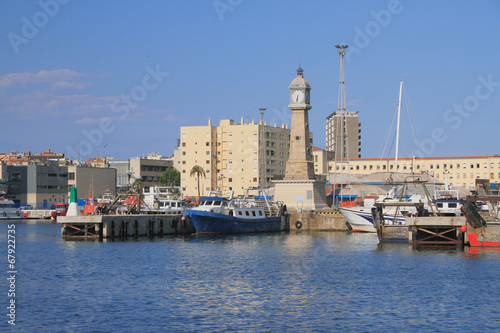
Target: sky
119	78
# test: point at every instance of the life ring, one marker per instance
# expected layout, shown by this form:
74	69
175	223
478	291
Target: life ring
298	224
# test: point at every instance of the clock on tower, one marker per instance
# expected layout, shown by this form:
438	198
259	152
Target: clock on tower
299	92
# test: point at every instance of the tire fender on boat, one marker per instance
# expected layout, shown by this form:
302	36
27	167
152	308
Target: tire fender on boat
4	213
298	224
17	213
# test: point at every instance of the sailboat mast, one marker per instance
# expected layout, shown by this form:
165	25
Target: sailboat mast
397	128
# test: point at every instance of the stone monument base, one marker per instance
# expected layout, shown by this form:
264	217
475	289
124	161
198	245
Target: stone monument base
306	194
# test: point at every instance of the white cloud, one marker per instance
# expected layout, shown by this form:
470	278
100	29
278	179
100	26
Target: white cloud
36	104
43	76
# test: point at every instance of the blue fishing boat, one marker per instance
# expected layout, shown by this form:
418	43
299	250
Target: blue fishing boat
250	214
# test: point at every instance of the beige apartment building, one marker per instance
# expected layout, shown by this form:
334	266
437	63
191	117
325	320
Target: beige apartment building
235	156
321	158
460	170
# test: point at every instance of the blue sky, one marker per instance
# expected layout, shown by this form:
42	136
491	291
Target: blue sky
119	78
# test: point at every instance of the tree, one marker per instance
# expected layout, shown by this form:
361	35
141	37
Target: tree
138	186
198	171
171	177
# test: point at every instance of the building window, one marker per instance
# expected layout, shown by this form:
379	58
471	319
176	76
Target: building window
183	144
207	144
71	176
208	162
255	180
183	162
230	180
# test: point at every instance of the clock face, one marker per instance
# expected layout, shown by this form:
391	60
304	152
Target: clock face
297	97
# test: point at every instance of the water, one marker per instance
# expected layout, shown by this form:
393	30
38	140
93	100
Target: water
280	282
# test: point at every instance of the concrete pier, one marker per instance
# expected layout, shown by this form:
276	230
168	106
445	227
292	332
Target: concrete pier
322	220
123	226
429	230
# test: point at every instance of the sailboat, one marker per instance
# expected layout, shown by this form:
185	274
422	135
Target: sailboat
359	219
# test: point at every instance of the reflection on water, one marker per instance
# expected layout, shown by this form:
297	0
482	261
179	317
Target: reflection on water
297	281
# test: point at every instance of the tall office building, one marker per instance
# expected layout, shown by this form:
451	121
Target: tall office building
343	129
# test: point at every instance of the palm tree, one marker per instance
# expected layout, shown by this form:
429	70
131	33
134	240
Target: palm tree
198	171
138	186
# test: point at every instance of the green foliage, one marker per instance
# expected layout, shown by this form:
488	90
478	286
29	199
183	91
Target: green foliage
171	177
138	186
198	171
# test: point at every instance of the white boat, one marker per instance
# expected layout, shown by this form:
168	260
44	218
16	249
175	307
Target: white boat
8	209
359	219
448	202
163	200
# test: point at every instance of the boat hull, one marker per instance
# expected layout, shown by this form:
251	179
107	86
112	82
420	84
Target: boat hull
358	219
216	223
486	236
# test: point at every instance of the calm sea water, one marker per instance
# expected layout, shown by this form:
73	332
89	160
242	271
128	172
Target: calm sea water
280	282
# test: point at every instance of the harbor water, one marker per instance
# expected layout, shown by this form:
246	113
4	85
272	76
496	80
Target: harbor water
275	282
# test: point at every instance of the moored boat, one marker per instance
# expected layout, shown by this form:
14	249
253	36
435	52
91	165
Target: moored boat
483	229
228	215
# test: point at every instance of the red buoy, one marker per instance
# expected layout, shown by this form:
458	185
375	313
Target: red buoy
463	228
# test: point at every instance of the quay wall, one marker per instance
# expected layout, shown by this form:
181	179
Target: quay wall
316	220
123	226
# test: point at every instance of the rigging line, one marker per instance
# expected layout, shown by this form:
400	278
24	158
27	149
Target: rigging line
392	145
389	135
416	134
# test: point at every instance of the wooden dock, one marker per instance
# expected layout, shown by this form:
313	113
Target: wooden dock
428	230
123	226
